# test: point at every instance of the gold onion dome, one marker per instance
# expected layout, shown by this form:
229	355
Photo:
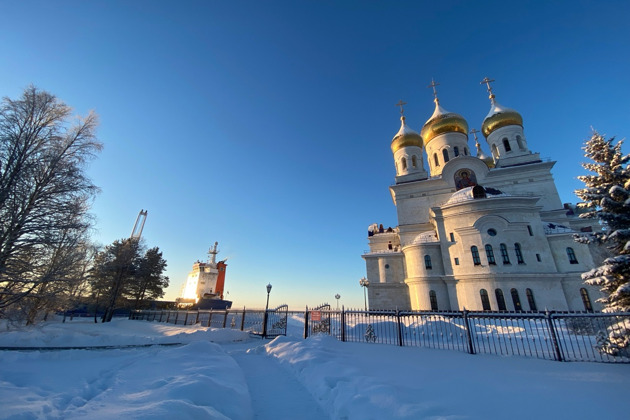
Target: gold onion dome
405	137
499	116
442	122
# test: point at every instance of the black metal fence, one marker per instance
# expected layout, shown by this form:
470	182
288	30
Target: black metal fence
561	336
267	324
551	335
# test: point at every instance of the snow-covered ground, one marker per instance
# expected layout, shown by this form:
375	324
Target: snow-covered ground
226	374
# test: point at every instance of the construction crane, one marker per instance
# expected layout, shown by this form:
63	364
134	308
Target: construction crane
136	233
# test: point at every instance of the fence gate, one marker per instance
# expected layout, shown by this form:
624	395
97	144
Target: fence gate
276	321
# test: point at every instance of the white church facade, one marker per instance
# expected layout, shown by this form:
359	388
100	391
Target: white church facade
482	232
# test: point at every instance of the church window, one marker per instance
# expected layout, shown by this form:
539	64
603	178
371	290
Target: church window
485	301
427	262
506	144
456	261
492	232
466	151
456	151
414	161
500	299
435	159
504	254
404	164
452	237
519	253
529	229
433	299
538	258
516	300
445	154
389	245
475	255
530	300
386	265
490	255
571	255
519	141
586	300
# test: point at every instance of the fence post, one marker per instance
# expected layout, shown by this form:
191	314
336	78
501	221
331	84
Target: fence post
225	317
306	322
264	331
343	323
209	318
243	320
471	348
400	336
176	317
554	339
197	318
186	319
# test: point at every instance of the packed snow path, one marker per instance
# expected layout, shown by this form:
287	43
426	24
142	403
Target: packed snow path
275	393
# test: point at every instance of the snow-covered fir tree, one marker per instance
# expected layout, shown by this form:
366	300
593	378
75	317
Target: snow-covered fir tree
607	197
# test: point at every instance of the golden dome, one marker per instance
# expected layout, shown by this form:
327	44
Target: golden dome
442	122
498	117
405	137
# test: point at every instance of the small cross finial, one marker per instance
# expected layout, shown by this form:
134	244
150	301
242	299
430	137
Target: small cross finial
433	85
474	132
400	104
487	81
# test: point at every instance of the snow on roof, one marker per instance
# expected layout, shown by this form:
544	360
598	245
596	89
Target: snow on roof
551	228
466	194
497	108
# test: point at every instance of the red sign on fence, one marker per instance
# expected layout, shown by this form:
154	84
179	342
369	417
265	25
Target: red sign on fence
316	315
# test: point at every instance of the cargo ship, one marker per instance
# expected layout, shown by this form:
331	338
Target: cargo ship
205	283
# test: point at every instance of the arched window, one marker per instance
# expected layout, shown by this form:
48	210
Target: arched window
414	161
519	253
571	255
427	262
490	255
495	152
500	299
456	151
475	255
530	300
404	164
586	300
504	254
445	154
516	300
435	159
519	141
485	301
506	145
466	151
433	299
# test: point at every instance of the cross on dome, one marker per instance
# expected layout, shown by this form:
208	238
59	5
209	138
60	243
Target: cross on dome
433	85
400	104
487	81
474	132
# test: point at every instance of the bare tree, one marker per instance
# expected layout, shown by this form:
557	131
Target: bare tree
44	194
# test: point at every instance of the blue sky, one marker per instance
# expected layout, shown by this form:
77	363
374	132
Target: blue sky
266	126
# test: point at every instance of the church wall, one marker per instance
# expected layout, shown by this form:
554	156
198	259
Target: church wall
419	289
415	260
559	244
388	296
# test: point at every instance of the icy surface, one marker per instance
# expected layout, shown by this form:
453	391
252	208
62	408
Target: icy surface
226	374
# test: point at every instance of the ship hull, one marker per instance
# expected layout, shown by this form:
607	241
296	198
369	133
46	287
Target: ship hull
214	304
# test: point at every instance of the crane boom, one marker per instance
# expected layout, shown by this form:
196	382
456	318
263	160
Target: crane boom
136	232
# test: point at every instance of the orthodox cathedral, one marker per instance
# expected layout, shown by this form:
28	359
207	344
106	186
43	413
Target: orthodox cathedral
482	232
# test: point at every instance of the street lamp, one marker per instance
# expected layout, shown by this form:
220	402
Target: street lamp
264	331
337	296
364	283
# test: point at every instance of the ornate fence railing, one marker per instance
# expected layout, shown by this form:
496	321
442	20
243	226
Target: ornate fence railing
561	336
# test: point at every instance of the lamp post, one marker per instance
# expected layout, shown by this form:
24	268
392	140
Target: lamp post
337	296
264	331
364	283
